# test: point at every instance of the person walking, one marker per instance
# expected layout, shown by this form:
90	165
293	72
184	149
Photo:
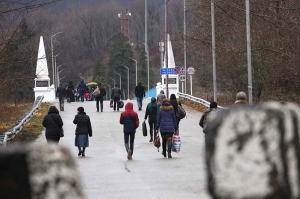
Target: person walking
60	93
241	100
213	107
130	121
81	87
101	92
174	102
160	97
53	124
70	92
152	111
83	130
140	93
167	125
116	96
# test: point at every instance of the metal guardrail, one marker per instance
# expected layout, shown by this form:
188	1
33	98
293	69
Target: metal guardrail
11	133
197	100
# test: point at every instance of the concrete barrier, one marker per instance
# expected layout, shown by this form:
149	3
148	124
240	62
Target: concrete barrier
254	152
38	171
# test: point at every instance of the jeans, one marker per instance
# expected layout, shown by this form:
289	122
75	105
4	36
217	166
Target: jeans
126	139
61	103
152	124
139	101
116	103
81	92
99	99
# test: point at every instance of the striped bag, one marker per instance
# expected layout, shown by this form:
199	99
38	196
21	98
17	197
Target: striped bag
176	143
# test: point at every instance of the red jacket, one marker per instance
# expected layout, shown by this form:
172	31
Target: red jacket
129	119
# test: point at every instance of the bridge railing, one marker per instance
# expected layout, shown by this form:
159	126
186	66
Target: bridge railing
197	100
11	133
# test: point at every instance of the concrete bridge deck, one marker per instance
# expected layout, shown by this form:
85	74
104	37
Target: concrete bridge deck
106	172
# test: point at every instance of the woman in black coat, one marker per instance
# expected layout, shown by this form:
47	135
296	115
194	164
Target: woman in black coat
53	124
83	130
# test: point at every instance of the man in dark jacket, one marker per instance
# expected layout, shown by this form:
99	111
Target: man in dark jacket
139	93
99	98
130	121
116	95
81	87
70	92
60	93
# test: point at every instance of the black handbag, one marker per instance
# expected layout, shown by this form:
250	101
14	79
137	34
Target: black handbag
144	129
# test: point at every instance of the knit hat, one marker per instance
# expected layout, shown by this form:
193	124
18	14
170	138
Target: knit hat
80	109
213	105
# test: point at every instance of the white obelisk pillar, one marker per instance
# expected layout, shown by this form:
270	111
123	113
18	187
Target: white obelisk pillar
42	80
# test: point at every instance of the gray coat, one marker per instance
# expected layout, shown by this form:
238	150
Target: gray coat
160	97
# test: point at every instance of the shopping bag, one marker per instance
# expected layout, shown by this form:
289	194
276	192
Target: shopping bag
157	142
144	129
121	104
176	143
111	105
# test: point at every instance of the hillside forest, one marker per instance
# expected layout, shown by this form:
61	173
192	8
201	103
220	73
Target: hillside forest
91	46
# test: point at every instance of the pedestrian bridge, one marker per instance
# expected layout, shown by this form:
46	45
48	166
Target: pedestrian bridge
106	172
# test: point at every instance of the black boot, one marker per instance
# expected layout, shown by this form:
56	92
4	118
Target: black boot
169	142
83	152
79	151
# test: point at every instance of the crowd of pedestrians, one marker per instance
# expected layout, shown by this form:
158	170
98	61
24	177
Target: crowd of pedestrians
161	112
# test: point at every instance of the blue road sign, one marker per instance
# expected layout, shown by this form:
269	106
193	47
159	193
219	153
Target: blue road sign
167	71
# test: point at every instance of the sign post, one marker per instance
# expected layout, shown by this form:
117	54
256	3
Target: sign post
191	72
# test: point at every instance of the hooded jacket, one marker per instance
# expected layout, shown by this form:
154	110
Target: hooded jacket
152	109
53	122
166	121
81	86
160	97
129	119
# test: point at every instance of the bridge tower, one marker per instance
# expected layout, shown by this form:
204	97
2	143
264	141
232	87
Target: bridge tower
125	24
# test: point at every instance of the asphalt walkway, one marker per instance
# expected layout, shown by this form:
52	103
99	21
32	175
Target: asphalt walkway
106	172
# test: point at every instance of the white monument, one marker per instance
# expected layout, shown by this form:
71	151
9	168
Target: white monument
173	84
42	80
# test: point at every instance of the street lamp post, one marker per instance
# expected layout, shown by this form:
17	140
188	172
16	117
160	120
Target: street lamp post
147	51
58	80
57	74
113	81
120	78
213	34
52	56
127	81
249	52
55	69
135	69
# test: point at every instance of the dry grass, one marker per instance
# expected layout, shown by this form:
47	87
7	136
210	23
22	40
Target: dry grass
34	127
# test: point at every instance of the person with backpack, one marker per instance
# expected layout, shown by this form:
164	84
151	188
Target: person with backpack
152	111
130	120
204	119
175	104
53	124
99	93
116	96
60	93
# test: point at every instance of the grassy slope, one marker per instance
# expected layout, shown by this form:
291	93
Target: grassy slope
34	127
